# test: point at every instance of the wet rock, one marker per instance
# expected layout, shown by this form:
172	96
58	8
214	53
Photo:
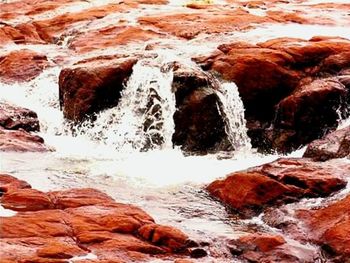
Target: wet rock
10	183
21	141
60	225
21	65
309	112
264	247
262	77
208	20
328	226
26	200
282	181
195	93
92	86
334	145
14	118
21	34
112	37
198	253
164	235
39	249
78	197
15	9
53	29
286	75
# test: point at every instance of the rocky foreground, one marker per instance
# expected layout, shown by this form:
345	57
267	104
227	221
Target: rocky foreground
293	89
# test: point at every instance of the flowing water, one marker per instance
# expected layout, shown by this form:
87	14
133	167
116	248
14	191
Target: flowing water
111	154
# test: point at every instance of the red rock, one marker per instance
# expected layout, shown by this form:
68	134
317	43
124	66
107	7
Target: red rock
164	235
263	242
14	118
15	9
112	36
78	197
76	222
21	141
9	183
316	179
37	249
46	223
282	77
263	247
250	190
309	52
26	200
329	227
211	20
51	29
284	180
334	145
89	88
22	65
309	112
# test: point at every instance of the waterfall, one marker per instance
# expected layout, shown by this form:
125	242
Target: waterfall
232	110
143	118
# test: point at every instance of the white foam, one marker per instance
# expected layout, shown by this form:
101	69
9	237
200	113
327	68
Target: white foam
6	212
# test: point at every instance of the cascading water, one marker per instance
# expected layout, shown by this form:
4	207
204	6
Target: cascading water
143	119
232	110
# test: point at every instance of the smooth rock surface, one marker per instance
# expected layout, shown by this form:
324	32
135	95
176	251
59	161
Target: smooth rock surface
276	183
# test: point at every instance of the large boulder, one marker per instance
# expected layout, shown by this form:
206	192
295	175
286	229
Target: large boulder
13	118
199	126
92	86
287	85
334	145
309	112
61	225
282	181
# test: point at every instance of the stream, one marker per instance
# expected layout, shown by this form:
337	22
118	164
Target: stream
116	155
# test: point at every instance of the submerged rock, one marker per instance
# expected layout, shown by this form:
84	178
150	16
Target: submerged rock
276	183
65	224
334	145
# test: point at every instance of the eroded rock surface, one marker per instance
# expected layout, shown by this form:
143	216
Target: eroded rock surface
57	226
21	141
279	182
21	65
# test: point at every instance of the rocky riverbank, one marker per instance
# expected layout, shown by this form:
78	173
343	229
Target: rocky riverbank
290	61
